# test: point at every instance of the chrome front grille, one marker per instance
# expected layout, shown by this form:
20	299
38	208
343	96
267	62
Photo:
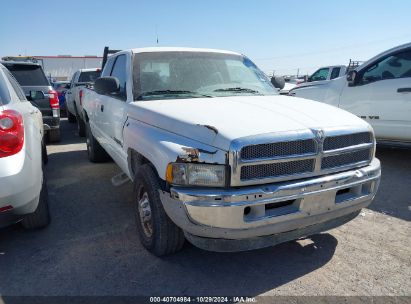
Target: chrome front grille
279	149
274	157
341	141
277	169
345	159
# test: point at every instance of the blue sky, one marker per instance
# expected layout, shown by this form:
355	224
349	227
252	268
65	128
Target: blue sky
276	35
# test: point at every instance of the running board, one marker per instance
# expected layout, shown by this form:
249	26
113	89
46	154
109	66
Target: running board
119	179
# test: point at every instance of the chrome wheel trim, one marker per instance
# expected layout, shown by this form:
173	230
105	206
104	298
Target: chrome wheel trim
144	213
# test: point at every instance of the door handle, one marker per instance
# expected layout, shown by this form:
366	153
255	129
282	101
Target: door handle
33	112
404	90
102	108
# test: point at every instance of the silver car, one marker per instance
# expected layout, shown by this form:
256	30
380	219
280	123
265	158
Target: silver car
23	190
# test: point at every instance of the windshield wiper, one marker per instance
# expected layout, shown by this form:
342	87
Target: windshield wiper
170	92
238	89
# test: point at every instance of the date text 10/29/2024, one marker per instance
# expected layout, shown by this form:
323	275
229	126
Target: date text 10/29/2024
205	299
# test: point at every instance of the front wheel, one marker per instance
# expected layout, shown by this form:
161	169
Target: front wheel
158	234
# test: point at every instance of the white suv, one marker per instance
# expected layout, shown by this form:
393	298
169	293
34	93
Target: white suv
23	190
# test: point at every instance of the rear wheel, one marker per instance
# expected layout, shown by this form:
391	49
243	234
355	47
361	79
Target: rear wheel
158	234
44	154
54	135
95	151
81	127
71	117
41	216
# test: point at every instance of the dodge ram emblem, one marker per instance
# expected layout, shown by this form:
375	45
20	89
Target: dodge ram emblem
319	134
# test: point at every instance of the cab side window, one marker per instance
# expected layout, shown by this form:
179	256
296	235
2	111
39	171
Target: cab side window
108	67
391	67
119	71
72	80
320	74
335	73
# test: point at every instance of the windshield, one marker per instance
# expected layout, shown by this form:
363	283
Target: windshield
89	76
160	75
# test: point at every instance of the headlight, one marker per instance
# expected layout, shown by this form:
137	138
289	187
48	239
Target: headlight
196	174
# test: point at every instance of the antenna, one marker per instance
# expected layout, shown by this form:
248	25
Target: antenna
156	35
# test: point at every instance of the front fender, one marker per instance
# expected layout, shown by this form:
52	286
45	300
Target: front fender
161	147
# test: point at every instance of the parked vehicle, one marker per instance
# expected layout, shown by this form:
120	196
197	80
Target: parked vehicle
23	190
39	92
378	91
61	87
80	79
221	159
323	75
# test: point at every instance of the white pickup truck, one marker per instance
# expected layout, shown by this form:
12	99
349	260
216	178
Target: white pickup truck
74	96
319	77
217	157
324	74
378	91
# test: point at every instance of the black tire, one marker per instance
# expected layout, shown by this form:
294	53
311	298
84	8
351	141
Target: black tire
41	216
54	135
95	151
81	127
166	237
71	118
44	154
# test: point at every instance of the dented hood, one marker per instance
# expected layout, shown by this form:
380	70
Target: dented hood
218	121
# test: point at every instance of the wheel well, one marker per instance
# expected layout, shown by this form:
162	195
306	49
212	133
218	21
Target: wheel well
75	109
135	160
85	116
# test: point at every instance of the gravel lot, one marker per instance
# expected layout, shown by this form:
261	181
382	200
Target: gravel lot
91	246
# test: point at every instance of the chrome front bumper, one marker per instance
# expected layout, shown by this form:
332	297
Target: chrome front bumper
266	210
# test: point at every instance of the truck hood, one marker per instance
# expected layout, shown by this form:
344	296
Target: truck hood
218	121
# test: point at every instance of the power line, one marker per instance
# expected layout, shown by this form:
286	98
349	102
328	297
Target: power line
331	50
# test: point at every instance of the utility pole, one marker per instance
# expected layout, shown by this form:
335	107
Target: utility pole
156	35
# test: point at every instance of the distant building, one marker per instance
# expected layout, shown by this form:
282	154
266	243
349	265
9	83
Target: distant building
61	67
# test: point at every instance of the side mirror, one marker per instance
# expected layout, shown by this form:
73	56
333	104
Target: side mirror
67	86
278	82
351	78
106	85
